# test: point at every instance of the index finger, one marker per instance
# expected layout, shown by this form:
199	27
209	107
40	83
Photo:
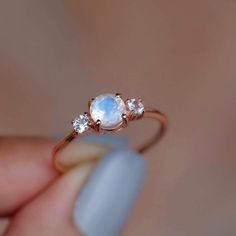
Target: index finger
25	169
26	166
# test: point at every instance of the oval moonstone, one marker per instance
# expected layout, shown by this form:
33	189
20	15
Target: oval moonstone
108	108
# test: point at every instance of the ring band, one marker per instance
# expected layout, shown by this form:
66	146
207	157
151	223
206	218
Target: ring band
110	113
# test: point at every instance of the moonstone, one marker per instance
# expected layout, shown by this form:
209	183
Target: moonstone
108	108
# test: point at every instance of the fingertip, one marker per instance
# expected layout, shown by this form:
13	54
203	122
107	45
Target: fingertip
107	199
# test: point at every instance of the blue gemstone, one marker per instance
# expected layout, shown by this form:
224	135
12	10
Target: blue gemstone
108	109
108	106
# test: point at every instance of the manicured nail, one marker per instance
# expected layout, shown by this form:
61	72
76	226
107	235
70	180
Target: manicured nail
103	206
111	141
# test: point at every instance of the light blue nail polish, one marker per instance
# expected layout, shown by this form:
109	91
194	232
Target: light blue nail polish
113	141
110	140
103	206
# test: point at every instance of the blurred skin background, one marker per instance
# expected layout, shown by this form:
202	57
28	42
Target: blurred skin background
179	56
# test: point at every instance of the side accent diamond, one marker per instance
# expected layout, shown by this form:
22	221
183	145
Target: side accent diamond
81	123
135	106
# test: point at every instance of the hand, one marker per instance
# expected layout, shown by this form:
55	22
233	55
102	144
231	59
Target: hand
39	201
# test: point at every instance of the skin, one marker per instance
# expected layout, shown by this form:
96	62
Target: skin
181	55
33	192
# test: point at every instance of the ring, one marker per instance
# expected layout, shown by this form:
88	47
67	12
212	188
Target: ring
110	113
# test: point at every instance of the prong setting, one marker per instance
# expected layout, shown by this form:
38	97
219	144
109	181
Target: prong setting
108	112
118	95
125	120
97	126
90	101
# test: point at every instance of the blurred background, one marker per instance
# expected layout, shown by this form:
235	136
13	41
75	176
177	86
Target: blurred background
179	56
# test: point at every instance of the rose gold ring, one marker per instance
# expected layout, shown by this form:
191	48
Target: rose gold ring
110	113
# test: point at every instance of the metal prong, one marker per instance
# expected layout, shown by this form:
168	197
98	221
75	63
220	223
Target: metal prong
90	101
98	126
125	120
118	95
90	123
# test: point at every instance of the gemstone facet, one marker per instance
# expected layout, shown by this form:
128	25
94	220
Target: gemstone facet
81	123
108	109
135	106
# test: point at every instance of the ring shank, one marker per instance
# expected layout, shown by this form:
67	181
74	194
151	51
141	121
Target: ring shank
162	118
149	113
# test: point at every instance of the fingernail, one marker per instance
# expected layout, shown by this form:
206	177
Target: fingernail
109	140
107	199
112	141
